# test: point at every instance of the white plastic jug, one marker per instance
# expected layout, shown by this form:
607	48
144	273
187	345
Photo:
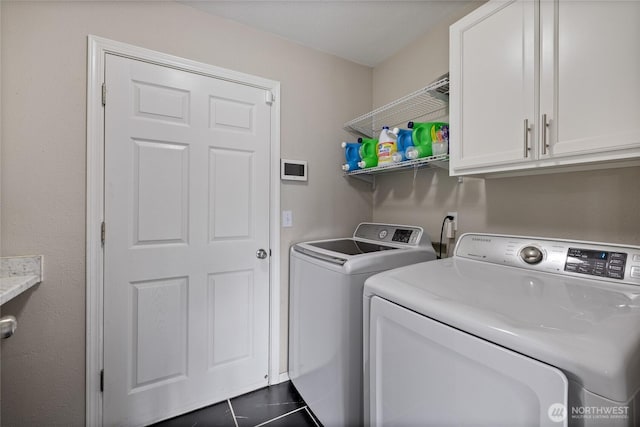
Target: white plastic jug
387	147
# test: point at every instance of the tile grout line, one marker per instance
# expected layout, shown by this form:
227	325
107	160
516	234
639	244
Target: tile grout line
281	416
232	412
311	415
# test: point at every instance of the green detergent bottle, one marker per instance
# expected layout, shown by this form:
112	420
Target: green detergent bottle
368	153
424	134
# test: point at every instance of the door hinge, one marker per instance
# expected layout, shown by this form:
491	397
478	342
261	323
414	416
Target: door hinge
101	380
102	232
104	94
269	97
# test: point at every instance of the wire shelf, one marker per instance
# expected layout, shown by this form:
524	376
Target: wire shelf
441	161
428	103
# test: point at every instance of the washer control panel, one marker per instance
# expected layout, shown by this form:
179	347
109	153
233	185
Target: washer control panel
573	258
390	233
402	235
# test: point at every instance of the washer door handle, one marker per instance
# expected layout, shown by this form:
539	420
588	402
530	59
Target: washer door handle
261	254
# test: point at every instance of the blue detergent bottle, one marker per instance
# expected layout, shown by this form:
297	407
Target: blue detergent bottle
405	140
351	155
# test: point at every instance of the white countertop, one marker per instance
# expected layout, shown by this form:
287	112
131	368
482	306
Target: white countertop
17	274
13	286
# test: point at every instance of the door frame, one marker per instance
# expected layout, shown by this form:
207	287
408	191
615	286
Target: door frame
97	48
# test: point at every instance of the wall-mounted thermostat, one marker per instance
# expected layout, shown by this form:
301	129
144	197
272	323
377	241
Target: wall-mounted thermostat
294	170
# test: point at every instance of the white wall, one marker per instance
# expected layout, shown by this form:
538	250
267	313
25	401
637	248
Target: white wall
43	165
598	205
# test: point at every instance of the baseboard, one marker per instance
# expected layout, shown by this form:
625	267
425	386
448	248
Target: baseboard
284	376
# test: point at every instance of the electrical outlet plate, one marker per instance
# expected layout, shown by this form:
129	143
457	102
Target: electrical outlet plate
455	220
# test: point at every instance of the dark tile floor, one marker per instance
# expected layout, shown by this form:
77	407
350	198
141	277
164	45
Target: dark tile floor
275	406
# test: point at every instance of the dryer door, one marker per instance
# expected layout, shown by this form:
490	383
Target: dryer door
425	373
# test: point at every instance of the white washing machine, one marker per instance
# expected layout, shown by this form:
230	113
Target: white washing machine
510	331
325	316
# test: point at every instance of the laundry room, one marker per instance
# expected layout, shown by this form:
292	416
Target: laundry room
171	191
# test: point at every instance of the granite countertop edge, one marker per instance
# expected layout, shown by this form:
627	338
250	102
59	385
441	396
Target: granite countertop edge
17	274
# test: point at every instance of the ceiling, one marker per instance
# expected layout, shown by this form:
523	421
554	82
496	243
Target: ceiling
366	32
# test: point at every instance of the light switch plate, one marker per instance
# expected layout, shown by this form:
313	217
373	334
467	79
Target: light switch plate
287	218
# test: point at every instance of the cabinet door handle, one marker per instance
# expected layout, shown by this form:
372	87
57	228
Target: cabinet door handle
545	125
527	128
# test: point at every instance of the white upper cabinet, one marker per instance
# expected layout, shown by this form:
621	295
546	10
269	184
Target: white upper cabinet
590	75
493	51
544	84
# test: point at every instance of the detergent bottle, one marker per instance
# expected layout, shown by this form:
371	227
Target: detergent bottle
368	153
440	143
352	156
424	134
405	140
387	147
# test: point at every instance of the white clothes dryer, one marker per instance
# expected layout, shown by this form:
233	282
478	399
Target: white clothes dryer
510	331
325	317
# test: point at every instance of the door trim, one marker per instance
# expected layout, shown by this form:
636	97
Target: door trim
97	48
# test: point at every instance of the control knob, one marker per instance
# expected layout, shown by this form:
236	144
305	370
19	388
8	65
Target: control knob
531	255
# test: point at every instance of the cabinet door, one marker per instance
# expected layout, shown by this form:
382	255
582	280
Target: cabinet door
492	68
590	77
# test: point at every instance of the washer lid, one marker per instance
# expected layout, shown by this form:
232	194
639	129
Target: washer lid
350	246
588	328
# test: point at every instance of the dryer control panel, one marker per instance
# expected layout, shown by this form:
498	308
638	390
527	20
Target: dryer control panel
602	261
596	263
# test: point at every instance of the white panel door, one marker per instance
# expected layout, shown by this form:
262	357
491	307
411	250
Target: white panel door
186	312
492	63
425	373
590	68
